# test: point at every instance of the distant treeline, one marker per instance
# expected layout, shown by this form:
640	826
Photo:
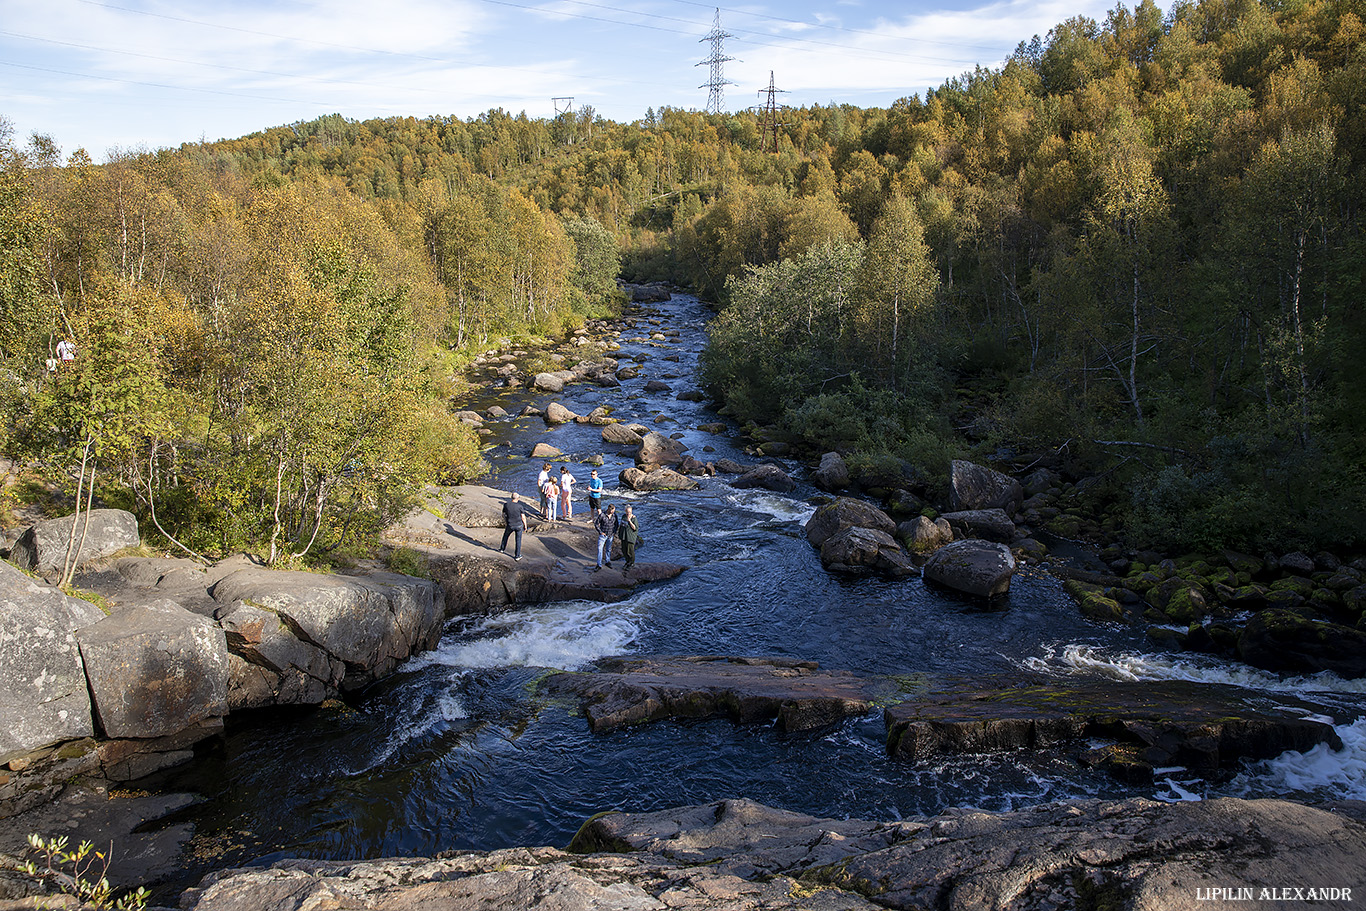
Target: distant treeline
1135	247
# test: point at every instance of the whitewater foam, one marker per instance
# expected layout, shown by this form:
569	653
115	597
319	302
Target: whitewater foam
1321	772
1090	660
566	635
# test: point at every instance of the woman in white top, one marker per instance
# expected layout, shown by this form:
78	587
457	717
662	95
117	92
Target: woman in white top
566	491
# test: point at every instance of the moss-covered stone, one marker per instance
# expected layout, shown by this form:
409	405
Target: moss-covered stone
1298	584
1095	606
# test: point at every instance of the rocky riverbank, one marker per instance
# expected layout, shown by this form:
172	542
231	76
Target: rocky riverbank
741	856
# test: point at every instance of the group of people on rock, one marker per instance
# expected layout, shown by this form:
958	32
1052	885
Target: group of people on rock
557	503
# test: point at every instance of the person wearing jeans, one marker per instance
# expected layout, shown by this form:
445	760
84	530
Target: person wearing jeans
606	524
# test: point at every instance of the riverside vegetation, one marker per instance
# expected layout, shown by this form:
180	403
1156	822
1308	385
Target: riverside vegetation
1132	252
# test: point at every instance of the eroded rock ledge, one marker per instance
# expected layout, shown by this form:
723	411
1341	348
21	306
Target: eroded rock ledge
743	856
798	695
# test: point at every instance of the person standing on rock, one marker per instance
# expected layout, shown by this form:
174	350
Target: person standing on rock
630	538
606	524
550	495
540	486
514	521
594	494
567	482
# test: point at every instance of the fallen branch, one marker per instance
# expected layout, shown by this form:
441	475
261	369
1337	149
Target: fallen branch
1171	449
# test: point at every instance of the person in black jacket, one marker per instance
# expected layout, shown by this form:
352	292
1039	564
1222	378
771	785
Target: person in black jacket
606	524
514	518
629	532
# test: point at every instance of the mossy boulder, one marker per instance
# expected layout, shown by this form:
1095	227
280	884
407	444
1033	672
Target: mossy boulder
1095	606
1287	642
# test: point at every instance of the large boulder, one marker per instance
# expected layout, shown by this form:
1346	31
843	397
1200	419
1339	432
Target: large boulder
155	669
657	449
547	382
833	473
845	512
370	623
43	693
658	479
42	547
272	666
922	535
1284	641
858	550
545	451
555	413
620	435
991	524
977	487
981	568
769	477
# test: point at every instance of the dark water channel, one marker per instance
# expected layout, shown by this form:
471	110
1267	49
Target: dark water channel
457	751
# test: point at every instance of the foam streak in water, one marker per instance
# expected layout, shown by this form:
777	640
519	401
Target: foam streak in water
1092	661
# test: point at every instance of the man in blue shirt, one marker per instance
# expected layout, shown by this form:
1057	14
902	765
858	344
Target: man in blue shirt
594	494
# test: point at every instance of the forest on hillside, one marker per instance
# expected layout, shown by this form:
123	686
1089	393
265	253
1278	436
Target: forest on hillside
1134	249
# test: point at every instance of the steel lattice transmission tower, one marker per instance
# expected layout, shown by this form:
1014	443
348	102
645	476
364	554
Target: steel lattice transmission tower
716	60
768	115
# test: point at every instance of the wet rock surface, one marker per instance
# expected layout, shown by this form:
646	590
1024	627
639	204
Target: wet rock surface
1160	724
798	695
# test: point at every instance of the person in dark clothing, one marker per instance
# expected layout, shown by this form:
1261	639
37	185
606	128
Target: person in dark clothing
514	518
606	524
630	537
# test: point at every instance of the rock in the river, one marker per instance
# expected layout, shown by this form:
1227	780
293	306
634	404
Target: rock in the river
977	487
980	568
42	547
924	536
1284	641
797	694
769	477
991	524
555	413
730	466
155	669
44	697
857	550
1202	727
545	451
548	382
833	473
845	512
656	449
621	435
659	479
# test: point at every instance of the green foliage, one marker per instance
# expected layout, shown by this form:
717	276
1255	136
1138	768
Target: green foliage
408	562
81	873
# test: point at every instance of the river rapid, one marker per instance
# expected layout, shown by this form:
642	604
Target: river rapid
457	751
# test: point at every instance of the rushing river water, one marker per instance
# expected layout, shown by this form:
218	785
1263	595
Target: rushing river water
457	751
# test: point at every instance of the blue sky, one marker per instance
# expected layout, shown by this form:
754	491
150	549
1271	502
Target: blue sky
128	74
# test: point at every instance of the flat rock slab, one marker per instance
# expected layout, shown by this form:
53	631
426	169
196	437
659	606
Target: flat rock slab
114	820
559	559
1198	726
741	856
1133	854
796	694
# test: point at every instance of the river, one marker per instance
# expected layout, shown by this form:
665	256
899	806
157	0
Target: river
456	750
